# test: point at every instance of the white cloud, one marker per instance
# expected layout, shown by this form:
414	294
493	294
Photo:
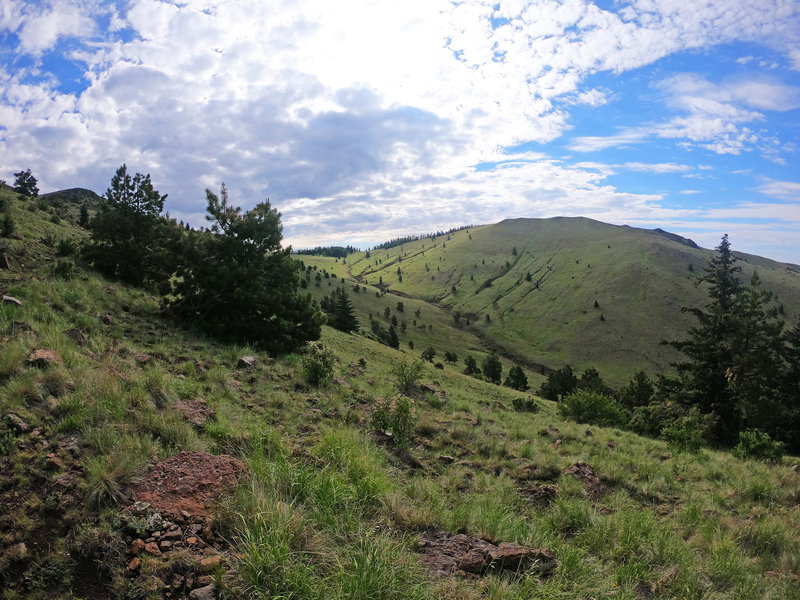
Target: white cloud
784	190
371	113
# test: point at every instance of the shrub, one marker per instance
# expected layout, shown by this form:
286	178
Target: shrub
528	404
406	375
394	416
66	247
687	434
584	406
318	364
757	444
64	268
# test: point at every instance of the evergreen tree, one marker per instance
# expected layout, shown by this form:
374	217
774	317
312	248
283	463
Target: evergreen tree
470	366
130	239
593	382
237	283
83	217
25	184
709	347
492	368
341	313
516	379
392	340
638	392
559	384
429	353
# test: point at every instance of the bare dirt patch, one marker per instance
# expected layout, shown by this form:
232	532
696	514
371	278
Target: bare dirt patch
594	486
195	411
188	481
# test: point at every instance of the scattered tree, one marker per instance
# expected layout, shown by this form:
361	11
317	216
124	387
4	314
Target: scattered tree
492	368
236	281
429	353
25	184
470	366
516	379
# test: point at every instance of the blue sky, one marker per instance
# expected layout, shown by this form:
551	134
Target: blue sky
362	121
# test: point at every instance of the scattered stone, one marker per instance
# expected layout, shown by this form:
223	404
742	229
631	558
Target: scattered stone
52	462
446	553
142	358
137	546
589	433
340	381
152	548
11	300
612	444
247	362
43	358
204	593
18	551
177	581
165	545
75	335
135	563
17	423
204	580
107	319
173	535
209	564
446	459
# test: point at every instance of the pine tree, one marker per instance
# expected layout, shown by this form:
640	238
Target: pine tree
470	366
342	314
392	340
25	184
130	239
516	379
83	217
237	283
492	368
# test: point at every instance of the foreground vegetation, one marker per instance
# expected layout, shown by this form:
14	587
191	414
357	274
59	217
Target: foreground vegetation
333	505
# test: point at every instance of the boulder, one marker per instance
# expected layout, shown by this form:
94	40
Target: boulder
44	357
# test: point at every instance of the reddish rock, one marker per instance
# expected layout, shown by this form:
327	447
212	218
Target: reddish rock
210	563
11	300
446	553
142	358
107	319
135	563
43	357
137	546
152	548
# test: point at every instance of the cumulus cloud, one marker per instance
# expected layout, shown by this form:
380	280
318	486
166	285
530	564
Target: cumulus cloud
371	117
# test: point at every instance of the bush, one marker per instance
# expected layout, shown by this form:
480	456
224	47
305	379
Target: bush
528	404
66	247
584	406
757	444
393	416
406	375
318	364
688	433
64	268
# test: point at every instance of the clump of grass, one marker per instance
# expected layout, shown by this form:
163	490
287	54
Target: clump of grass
107	477
12	358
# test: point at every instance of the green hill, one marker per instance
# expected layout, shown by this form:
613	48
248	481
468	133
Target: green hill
140	460
565	290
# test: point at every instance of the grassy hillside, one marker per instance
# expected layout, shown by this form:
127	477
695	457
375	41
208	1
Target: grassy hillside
566	290
327	506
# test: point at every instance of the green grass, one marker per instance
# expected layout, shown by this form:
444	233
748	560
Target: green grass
329	509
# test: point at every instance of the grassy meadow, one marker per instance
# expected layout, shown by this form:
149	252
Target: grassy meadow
332	506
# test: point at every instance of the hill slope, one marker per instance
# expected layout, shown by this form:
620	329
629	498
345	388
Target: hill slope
567	290
328	505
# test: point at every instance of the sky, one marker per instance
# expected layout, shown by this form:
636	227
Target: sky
364	121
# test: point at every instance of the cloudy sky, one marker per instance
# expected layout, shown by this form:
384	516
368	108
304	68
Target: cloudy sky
362	121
